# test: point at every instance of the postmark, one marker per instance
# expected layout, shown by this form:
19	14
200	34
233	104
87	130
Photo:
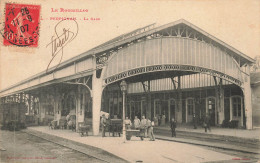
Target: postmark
21	25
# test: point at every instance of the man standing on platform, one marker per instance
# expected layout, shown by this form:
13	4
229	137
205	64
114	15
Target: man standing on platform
155	121
128	123
67	118
103	125
163	120
194	121
173	127
150	125
206	123
136	123
144	125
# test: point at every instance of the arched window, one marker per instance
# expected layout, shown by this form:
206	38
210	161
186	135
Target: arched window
236	104
190	109
172	109
157	108
190	106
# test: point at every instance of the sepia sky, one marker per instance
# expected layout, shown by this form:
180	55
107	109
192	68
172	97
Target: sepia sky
236	22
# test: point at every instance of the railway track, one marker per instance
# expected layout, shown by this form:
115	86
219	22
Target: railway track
246	154
236	152
98	156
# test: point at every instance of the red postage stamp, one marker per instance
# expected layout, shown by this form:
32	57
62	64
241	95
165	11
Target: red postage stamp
21	24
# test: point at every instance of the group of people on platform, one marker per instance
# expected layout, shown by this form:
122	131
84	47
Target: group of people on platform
159	120
206	122
147	124
144	123
71	121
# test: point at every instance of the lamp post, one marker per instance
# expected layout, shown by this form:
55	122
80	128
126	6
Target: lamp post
123	87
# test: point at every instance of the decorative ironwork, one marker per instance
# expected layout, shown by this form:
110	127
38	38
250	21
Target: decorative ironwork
102	59
170	67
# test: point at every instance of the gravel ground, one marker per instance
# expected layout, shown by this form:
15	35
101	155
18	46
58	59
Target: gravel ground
21	147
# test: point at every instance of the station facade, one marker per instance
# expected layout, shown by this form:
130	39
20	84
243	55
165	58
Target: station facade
175	70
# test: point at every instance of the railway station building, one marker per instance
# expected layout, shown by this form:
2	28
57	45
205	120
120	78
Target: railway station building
174	70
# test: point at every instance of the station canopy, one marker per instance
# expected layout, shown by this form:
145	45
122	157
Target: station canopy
178	29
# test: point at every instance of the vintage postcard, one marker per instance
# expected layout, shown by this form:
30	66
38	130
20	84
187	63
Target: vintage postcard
129	81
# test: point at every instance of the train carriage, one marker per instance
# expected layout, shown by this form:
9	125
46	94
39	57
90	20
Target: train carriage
13	116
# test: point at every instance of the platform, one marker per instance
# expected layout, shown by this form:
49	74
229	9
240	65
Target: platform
137	150
217	131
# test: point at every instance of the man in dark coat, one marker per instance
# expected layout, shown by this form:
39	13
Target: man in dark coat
103	125
206	123
194	121
173	127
